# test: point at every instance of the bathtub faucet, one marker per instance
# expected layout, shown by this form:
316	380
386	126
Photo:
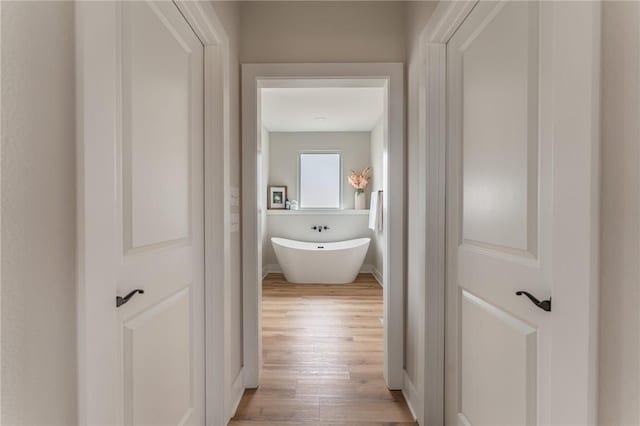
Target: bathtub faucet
320	228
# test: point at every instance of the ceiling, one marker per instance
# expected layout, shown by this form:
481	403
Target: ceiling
322	109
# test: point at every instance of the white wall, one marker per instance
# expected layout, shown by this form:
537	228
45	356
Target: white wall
418	14
38	214
619	356
377	183
322	31
283	158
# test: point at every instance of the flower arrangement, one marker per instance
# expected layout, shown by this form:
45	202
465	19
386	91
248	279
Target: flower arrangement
360	180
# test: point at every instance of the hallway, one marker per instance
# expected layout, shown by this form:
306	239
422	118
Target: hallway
322	358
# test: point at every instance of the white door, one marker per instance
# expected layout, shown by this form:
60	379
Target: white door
143	195
522	181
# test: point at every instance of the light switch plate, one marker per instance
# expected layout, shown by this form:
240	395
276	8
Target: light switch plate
235	222
235	196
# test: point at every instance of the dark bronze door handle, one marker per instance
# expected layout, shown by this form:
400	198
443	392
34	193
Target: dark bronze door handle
545	305
122	300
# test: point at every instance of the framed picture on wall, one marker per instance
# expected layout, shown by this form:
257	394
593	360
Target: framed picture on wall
277	197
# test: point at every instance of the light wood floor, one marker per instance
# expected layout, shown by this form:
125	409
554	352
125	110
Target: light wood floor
322	358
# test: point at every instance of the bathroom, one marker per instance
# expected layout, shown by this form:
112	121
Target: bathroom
312	141
327	320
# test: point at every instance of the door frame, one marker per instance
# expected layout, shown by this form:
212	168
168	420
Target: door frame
96	111
432	106
390	75
577	297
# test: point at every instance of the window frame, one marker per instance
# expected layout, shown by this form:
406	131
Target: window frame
340	185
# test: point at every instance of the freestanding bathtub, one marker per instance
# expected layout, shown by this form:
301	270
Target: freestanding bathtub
320	263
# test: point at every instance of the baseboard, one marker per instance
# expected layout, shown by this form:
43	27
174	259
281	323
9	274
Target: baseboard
274	268
235	396
271	268
378	276
411	397
371	269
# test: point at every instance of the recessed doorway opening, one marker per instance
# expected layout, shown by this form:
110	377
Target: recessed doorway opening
295	154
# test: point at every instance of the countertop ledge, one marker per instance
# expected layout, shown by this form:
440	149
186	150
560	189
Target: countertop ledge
314	212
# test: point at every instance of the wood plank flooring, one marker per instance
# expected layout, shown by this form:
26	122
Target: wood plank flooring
322	358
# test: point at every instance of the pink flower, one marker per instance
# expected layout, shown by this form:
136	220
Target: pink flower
359	180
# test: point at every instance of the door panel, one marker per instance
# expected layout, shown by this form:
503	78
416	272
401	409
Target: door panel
161	209
157	358
498	353
499	109
522	87
496	342
157	70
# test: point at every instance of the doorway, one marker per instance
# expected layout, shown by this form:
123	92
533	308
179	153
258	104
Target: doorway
256	78
322	172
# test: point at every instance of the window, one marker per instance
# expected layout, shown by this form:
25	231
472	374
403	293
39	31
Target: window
320	180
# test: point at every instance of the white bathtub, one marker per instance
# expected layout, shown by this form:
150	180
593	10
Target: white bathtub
320	263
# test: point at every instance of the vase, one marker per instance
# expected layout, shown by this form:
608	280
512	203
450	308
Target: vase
360	203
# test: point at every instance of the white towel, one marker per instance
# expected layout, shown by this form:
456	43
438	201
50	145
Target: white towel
375	211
